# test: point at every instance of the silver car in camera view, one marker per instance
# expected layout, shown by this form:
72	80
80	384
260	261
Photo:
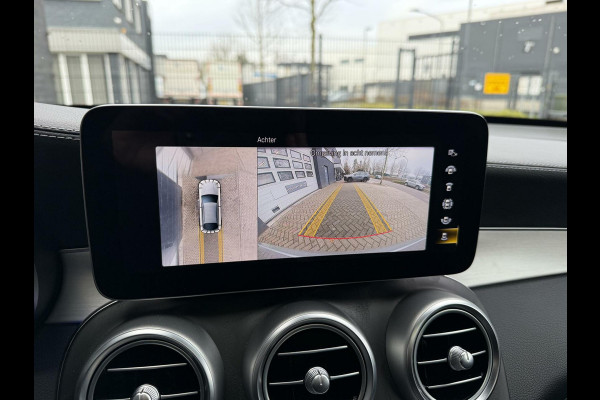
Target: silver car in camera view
358	176
414	184
209	205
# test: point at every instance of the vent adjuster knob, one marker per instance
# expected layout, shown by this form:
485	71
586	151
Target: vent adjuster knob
146	392
460	359
316	381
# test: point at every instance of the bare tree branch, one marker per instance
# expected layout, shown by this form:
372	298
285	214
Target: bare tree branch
261	22
324	5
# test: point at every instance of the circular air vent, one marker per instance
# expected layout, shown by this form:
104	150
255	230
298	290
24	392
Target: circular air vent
440	346
148	366
455	356
315	359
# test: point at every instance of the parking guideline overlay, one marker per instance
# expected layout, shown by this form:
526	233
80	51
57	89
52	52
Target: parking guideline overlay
380	224
318	216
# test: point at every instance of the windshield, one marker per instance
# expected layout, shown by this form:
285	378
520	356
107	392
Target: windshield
496	57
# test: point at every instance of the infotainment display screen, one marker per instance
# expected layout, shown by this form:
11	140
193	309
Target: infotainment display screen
188	200
223	204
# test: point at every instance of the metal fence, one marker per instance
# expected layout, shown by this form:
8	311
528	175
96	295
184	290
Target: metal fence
343	72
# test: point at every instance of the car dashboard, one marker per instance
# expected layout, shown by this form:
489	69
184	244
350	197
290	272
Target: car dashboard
494	331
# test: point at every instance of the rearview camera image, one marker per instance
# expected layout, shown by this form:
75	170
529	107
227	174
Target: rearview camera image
325	201
223	204
207	203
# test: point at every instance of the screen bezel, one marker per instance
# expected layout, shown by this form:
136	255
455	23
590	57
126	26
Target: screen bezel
120	275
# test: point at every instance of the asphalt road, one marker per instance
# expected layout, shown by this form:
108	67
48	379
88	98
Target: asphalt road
413	192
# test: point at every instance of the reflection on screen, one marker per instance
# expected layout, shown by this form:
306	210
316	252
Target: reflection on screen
222	204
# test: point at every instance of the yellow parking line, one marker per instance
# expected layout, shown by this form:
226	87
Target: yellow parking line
374	214
319	215
201	243
221	245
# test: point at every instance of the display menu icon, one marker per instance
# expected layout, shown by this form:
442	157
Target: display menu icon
447	236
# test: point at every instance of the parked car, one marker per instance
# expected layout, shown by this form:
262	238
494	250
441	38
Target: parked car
378	176
414	184
209	205
358	176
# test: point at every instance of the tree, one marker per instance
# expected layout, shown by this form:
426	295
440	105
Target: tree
316	9
355	165
347	168
261	21
221	50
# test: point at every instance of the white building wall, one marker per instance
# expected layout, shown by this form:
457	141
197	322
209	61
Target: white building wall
281	192
173	162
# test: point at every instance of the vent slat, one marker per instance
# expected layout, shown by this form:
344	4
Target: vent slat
178	395
166	396
440	334
445	385
351	374
313	351
301	381
146	367
442	360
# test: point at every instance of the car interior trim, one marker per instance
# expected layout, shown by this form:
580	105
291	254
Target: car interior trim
528	253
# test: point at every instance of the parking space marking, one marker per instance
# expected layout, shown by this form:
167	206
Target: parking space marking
380	224
220	245
318	216
201	243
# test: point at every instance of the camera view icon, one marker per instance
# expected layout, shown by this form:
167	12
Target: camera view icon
452	153
449	186
446	220
447	236
447	204
450	169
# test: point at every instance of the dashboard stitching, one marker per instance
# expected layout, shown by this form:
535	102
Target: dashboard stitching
55	136
528	168
55	127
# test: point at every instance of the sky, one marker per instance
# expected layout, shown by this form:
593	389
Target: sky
418	158
345	17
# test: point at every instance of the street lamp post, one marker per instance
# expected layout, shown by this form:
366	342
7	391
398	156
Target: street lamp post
439	56
364	62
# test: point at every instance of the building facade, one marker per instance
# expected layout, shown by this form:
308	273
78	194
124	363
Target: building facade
43	82
101	51
286	175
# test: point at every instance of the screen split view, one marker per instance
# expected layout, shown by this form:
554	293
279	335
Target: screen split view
224	204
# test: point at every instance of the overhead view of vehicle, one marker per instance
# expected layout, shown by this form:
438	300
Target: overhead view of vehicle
209	204
358	176
414	184
300	200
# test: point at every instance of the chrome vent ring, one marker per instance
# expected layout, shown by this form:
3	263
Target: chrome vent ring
311	354
440	346
452	357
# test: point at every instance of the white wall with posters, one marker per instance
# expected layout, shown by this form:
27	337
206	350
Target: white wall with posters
285	176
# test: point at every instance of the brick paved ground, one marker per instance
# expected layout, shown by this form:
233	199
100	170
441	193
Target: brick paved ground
189	252
346	217
405	213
